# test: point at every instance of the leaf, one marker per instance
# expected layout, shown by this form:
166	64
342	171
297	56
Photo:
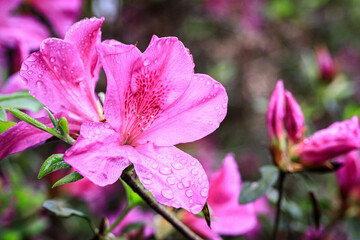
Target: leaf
54	207
5	125
64	126
206	212
52	117
53	163
133	198
254	190
70	178
26	118
22	100
3	116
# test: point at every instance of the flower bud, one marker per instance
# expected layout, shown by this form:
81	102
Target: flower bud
326	65
294	119
339	138
276	112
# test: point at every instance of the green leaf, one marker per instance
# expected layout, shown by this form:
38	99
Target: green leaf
3	116
5	125
64	126
26	118
70	178
54	207
51	164
206	212
21	100
52	117
254	190
133	198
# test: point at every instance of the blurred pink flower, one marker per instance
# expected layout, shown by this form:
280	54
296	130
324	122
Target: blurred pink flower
60	13
153	102
326	64
294	119
62	75
339	138
348	176
228	217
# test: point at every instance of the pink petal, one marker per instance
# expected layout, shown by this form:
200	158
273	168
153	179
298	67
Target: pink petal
97	154
57	72
117	60
22	136
338	138
85	34
15	83
276	112
197	113
173	177
348	175
199	226
169	62
294	118
60	13
225	184
7	6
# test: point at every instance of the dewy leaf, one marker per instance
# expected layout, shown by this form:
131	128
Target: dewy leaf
53	163
70	178
3	116
5	125
22	100
206	212
254	190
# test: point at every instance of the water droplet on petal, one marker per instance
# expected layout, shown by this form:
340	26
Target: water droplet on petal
171	180
186	182
146	62
177	166
155	165
204	192
39	84
147	181
64	67
176	204
24	81
189	193
30	72
52	59
165	170
167	193
195	171
40	75
180	186
208	82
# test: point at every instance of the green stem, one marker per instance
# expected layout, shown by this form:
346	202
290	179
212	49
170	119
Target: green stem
278	204
119	219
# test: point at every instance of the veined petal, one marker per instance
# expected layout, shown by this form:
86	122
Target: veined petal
173	177
225	184
60	13
85	35
55	76
117	60
98	155
197	113
22	136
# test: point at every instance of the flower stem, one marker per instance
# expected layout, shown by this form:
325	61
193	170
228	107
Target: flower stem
119	219
178	225
278	204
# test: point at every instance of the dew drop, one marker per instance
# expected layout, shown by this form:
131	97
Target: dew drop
180	186
39	84
186	182
146	62
155	165
30	72
189	193
177	166
208	82
167	193
176	204
204	192
64	67
195	171
171	180
147	181
210	123
52	59
165	170
220	113
40	75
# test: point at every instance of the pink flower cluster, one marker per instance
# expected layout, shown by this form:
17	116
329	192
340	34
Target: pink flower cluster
154	100
286	124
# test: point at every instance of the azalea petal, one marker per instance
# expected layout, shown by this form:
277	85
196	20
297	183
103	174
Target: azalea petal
7	6
276	112
117	60
225	184
85	34
199	226
172	176
60	13
169	62
197	113
97	154
14	83
56	77
22	136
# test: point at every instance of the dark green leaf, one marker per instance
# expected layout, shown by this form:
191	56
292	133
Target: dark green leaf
53	163
64	126
54	207
254	190
205	211
3	116
72	177
5	125
21	100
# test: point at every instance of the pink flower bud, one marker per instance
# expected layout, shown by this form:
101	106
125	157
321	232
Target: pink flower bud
294	118
276	112
348	175
338	138
325	63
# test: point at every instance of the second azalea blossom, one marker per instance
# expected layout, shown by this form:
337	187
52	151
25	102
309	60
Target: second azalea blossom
154	100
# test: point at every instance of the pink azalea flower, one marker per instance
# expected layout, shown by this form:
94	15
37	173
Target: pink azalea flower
228	217
348	176
294	118
23	33
60	13
153	102
62	75
326	64
338	138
